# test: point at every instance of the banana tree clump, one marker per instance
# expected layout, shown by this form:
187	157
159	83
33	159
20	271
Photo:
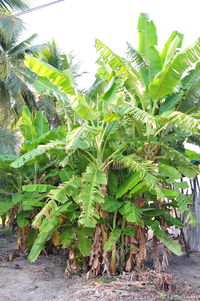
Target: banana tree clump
98	185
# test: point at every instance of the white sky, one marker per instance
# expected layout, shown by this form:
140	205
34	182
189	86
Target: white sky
74	24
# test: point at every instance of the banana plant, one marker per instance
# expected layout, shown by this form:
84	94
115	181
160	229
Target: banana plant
16	202
119	160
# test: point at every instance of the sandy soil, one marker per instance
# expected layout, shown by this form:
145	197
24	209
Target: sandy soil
187	270
43	280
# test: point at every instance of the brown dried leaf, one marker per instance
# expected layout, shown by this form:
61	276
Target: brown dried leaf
56	238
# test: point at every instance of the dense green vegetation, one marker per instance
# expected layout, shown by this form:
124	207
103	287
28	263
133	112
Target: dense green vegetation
15	78
105	173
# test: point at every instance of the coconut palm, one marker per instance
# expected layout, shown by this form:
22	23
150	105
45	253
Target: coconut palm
15	77
9	143
56	107
52	55
13	4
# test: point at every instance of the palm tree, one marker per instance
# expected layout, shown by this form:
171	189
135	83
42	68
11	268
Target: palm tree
9	143
56	106
52	55
13	4
15	78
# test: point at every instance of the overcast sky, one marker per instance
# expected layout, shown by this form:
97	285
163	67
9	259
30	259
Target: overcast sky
74	24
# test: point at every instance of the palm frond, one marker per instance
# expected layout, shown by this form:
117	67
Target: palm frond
25	47
4	97
10	30
13	4
47	105
28	97
25	73
51	55
14	83
20	92
9	142
70	60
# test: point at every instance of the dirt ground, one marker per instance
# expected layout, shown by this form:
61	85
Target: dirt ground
43	280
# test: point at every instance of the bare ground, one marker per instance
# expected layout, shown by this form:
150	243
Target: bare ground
43	280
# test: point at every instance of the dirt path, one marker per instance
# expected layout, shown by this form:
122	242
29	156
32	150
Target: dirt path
43	280
187	269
